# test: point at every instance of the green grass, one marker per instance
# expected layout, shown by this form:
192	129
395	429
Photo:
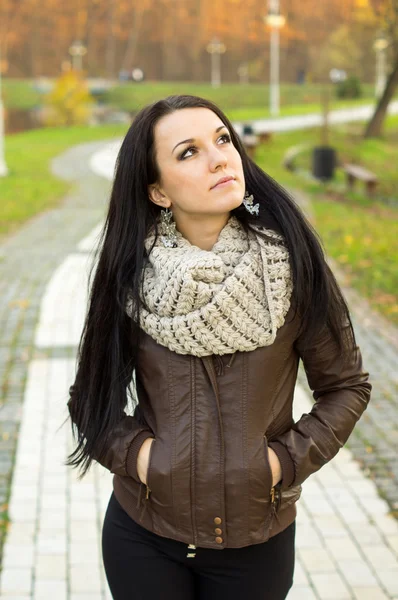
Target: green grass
364	242
358	232
30	188
240	102
19	94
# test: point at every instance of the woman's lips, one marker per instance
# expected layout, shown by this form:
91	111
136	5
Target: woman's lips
224	183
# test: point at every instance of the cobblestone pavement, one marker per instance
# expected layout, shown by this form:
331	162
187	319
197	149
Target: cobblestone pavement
374	442
27	262
347	544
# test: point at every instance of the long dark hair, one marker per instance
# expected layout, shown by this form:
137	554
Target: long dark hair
108	349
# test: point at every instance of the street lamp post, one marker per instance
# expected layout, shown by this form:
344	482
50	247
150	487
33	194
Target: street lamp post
3	166
380	46
275	21
77	51
243	72
215	48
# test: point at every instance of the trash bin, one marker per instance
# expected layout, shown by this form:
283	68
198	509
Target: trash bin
248	129
323	162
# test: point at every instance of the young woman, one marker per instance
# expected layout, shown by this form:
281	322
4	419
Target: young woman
210	287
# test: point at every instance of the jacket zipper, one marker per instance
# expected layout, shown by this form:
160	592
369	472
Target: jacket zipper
142	501
193	434
213	380
275	493
145	503
208	362
276	499
147	488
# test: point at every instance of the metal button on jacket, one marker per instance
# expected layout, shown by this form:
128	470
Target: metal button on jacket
219	540
218	531
217	520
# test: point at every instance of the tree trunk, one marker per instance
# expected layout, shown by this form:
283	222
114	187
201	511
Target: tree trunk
91	41
35	39
197	42
129	58
110	53
374	127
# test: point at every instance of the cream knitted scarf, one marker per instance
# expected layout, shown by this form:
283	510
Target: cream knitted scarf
234	297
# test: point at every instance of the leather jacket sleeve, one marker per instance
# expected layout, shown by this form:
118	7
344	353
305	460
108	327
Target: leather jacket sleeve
341	391
123	444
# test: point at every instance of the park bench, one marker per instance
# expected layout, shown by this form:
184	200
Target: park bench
355	172
251	140
264	136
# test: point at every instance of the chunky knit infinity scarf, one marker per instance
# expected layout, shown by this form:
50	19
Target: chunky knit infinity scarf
234	297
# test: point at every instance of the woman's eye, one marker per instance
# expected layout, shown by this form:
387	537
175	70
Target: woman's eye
226	137
183	155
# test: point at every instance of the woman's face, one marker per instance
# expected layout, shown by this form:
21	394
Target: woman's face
193	152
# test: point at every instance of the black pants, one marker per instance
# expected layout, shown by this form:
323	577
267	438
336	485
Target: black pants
141	565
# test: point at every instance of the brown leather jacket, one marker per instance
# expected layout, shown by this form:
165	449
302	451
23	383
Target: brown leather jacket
209	481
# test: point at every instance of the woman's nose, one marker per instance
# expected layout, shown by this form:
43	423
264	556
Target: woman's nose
217	158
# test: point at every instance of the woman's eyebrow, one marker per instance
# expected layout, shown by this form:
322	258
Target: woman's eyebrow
191	140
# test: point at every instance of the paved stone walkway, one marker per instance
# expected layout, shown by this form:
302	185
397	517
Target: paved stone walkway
338	116
27	262
374	442
347	544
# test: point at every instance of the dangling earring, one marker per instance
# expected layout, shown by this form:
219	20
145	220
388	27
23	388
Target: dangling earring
248	204
168	229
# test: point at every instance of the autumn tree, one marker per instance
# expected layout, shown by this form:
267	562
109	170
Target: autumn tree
69	102
14	27
387	12
168	38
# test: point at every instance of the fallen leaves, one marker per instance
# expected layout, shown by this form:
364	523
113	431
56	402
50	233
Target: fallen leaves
21	303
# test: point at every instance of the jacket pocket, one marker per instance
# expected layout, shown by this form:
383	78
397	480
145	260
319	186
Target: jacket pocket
145	489
274	492
290	496
267	467
148	470
158	480
279	500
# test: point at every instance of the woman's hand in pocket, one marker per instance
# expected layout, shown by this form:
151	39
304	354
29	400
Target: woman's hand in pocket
143	458
275	467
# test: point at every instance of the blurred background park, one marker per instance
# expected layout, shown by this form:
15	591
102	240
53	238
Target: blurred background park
79	71
312	88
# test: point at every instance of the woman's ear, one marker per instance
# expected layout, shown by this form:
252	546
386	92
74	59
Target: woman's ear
157	197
